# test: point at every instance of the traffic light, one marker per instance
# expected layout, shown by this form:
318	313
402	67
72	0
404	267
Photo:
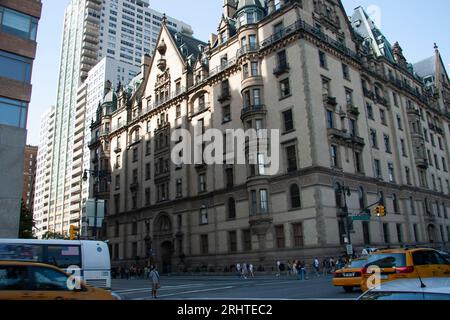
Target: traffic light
74	232
380	211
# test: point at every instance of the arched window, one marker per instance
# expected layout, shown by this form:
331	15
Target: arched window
295	196
362	198
338	195
231	209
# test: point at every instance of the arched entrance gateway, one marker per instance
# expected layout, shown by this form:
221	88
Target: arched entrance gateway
163	237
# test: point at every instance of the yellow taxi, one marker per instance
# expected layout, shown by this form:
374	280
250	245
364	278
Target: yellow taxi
405	264
350	276
20	280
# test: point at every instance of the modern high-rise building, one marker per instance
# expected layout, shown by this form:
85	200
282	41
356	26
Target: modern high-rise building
354	125
93	30
43	172
18	29
103	77
29	176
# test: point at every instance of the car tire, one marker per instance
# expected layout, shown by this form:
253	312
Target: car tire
348	289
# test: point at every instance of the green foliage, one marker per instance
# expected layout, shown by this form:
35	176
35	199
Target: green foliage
26	223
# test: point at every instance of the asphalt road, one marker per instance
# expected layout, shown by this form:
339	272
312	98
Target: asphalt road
231	287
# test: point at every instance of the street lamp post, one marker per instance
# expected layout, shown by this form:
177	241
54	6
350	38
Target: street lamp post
346	192
97	174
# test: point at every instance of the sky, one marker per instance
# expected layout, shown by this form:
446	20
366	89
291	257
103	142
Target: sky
416	24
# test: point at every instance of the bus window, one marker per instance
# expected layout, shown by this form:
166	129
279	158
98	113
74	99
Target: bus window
64	256
26	252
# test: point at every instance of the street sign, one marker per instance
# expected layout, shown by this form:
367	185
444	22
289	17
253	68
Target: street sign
349	249
361	218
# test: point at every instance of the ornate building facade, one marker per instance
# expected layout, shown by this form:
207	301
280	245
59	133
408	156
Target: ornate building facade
356	127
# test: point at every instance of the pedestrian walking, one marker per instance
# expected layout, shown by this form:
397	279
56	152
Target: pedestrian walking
154	277
250	270
316	267
294	268
244	270
332	265
238	270
325	267
301	271
278	268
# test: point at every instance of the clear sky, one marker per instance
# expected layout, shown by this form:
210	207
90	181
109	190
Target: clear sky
416	24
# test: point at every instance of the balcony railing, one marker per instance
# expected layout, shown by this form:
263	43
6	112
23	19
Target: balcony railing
223	66
225	95
163	100
330	100
247	49
253	108
281	68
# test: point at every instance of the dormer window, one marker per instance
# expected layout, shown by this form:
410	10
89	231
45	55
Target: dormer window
223	37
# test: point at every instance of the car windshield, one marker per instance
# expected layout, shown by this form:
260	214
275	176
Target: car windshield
387	260
357	264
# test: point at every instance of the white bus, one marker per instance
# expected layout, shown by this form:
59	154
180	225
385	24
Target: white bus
92	257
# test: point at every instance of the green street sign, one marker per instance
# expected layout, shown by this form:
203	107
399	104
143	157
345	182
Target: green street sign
361	218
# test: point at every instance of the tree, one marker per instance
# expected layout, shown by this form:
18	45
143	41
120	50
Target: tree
26	223
50	235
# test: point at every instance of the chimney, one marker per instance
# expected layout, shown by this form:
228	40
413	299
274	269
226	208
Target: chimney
145	65
229	8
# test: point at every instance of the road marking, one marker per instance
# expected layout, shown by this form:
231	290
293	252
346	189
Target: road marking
185	292
131	291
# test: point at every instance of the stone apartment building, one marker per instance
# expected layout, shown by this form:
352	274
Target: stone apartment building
358	127
29	176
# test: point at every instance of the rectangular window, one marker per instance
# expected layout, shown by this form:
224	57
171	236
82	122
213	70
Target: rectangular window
254	203
370	111
285	89
147	196
298	234
358	163
282	60
135	155
383	117
291	156
288	121
403	146
204	245
373	139
203	215
391	172
254	69
13	112
18	24
15	67
330	119
387	143
264	201
444	164
345	71
117	181
247	240
179	188
377	168
117	204
334	156
408	175
148	147
232	241
399	122
147	171
256	97
252	42
202	182
279	235
323	59
226	113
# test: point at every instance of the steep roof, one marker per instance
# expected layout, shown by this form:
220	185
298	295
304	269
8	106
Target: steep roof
188	46
426	67
245	3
